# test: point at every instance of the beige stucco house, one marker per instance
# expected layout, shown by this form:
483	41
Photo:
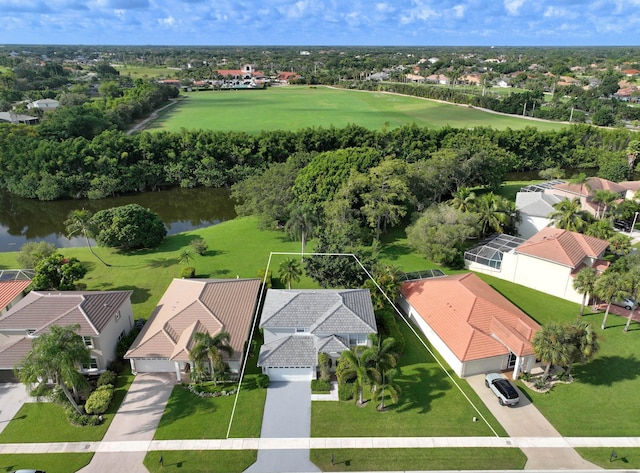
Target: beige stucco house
472	326
189	306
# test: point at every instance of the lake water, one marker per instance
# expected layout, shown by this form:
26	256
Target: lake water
23	220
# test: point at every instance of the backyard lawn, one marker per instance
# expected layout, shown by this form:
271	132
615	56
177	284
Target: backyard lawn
296	107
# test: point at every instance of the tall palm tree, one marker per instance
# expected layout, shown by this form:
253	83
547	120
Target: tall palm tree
608	288
551	346
301	224
632	285
210	349
463	199
79	222
56	356
633	153
569	215
289	270
388	386
604	197
382	357
356	368
495	212
584	343
584	283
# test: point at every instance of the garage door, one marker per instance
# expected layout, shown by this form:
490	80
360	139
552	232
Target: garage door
290	374
155	366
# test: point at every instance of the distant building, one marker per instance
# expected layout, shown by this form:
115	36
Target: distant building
44	104
18	118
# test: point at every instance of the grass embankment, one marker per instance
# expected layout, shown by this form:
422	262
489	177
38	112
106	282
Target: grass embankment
296	107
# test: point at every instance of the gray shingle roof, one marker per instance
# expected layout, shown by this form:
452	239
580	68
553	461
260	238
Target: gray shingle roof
536	204
331	344
289	352
326	311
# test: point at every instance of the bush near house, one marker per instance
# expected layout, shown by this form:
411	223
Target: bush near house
108	377
262	381
99	400
188	272
320	386
346	391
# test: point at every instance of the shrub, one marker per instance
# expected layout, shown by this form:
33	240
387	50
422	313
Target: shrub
125	343
99	401
345	391
526	376
32	253
391	328
116	366
262	381
81	419
320	386
108	377
324	363
188	272
199	246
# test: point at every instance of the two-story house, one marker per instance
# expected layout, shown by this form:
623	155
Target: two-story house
104	317
299	324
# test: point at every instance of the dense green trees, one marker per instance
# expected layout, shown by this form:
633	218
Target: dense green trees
56	272
128	227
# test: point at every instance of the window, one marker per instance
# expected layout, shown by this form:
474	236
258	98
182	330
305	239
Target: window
121	336
88	341
301	330
93	365
357	339
118	316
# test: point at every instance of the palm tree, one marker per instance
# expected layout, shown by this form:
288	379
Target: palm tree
301	224
584	343
209	348
463	199
355	362
388	386
382	357
608	288
56	356
631	281
584	283
582	180
289	270
605	197
602	229
550	345
495	212
79	222
569	215
185	256
388	278
633	153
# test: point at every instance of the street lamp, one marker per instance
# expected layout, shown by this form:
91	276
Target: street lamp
635	217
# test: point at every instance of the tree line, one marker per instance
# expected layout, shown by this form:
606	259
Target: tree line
81	156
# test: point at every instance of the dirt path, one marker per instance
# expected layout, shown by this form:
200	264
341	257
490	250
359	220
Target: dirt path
142	124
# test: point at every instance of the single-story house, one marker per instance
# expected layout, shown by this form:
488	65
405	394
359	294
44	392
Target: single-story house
474	328
189	306
299	324
548	262
105	317
18	118
44	104
11	292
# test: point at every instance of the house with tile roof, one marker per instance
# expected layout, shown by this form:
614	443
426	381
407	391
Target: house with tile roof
11	292
104	317
299	324
473	327
187	307
534	209
549	261
586	192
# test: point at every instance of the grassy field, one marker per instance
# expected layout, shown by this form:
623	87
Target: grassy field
295	107
146	72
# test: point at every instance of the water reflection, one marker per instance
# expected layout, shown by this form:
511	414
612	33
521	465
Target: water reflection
23	220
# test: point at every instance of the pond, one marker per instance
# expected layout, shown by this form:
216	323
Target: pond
23	220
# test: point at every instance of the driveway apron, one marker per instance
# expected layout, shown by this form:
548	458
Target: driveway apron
524	420
12	397
136	420
287	414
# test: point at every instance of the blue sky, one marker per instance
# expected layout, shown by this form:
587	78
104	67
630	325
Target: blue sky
322	22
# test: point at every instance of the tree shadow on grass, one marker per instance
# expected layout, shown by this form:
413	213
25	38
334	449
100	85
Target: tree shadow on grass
161	262
140	294
420	388
608	370
183	404
395	250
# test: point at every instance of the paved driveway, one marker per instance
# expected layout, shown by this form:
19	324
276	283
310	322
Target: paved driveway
287	414
12	397
136	420
524	420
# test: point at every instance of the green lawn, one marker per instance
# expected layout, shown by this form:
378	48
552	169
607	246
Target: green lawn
417	459
51	463
46	422
221	461
296	107
430	405
601	400
628	458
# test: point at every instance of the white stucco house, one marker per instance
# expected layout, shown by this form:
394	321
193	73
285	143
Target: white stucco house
44	104
189	306
474	328
534	209
299	324
104	317
547	262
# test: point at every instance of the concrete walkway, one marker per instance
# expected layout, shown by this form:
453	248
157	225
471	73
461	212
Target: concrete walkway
524	420
133	426
287	413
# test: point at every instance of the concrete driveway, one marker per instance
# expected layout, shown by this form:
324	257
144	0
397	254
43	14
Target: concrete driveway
12	397
524	420
136	420
287	414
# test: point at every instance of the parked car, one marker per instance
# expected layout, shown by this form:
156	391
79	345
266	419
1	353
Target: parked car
505	391
627	303
622	225
28	471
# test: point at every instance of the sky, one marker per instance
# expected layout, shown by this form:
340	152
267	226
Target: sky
322	22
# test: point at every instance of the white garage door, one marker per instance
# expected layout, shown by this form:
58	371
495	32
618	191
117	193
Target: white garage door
290	374
155	366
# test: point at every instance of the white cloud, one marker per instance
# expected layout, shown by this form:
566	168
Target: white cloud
459	10
420	12
169	21
384	8
513	6
298	9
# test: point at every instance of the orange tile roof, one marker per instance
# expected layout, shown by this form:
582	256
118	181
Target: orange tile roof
590	187
197	305
470	317
562	246
9	290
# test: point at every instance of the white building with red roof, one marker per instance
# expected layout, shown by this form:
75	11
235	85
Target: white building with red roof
473	327
548	262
